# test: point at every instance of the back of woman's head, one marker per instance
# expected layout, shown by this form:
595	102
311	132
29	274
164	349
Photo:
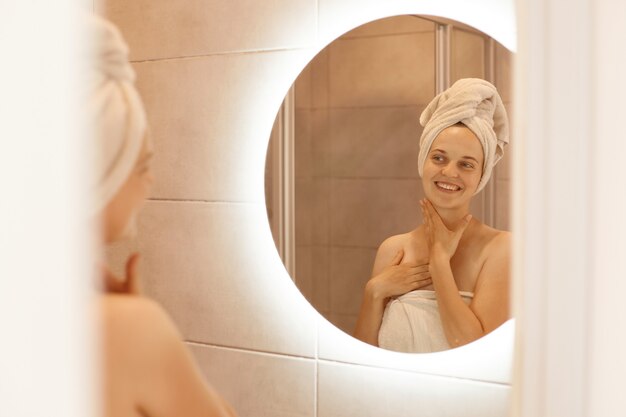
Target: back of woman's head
115	115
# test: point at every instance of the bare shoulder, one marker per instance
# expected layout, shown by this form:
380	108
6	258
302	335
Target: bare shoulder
136	318
393	244
388	250
499	243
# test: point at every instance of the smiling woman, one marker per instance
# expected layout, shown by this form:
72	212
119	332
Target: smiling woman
445	283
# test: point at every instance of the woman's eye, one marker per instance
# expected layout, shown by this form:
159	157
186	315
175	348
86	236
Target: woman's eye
467	165
437	158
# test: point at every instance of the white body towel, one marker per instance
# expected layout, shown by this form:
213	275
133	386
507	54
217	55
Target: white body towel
411	323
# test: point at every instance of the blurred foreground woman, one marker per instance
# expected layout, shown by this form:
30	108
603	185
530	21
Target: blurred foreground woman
147	371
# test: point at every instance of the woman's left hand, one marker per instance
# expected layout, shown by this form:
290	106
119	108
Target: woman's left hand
442	240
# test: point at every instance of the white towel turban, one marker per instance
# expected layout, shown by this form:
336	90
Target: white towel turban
477	104
115	113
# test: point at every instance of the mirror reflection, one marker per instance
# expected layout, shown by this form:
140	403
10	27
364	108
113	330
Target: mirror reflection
344	192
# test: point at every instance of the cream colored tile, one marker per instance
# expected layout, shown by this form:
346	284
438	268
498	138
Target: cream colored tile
302	89
350	269
503	205
366	212
320	204
259	385
303	149
392	26
344	322
375	142
215	268
304	265
211	119
319	80
467	55
320	277
320	142
169	29
504	72
382	71
304	204
346	390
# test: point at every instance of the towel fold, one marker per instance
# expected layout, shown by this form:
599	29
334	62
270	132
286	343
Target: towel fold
114	110
477	104
411	323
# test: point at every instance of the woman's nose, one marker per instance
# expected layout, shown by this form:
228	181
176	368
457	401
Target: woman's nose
449	170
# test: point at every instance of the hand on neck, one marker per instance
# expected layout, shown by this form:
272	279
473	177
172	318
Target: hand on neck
452	216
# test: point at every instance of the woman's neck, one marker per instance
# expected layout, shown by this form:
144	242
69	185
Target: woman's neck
452	216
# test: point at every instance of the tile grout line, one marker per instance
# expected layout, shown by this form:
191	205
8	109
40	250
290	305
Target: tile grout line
226	53
181	200
409	371
249	350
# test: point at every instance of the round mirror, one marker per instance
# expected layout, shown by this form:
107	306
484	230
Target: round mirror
342	173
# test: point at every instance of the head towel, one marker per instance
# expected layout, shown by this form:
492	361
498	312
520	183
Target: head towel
115	113
477	104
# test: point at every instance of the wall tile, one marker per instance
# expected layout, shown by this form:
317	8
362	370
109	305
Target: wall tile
302	89
320	142
303	149
356	67
375	142
346	390
259	385
304	266
392	26
503	204
350	269
215	268
320	220
344	322
305	200
319	79
366	212
504	72
467	56
210	119
320	277
169	29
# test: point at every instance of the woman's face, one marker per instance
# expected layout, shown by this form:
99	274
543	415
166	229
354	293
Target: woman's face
121	212
453	168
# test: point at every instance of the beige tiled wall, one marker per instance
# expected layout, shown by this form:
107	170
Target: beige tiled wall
213	74
357	109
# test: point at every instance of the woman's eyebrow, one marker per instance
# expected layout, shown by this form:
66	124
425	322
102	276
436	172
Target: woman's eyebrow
472	158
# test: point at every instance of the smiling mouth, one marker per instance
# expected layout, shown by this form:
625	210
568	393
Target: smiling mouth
446	186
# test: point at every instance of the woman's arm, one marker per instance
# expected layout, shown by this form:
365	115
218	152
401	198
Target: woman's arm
389	279
463	324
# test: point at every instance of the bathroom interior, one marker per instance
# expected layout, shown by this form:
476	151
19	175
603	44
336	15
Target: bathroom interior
285	134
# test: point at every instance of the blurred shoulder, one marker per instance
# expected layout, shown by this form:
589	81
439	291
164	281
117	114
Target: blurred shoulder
135	317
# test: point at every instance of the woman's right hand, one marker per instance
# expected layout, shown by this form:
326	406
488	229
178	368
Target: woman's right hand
398	279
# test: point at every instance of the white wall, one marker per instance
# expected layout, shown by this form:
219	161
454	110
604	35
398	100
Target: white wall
571	336
44	279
